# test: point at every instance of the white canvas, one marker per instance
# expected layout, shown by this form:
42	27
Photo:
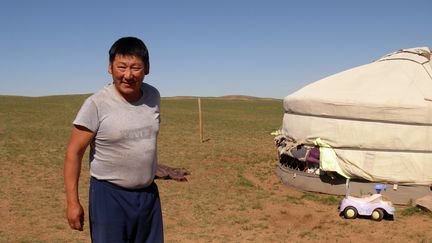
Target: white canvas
377	117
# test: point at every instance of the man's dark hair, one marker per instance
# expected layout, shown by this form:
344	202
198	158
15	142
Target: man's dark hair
130	46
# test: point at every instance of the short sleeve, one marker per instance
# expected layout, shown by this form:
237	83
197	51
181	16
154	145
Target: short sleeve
88	116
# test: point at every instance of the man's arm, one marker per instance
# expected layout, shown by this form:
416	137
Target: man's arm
78	142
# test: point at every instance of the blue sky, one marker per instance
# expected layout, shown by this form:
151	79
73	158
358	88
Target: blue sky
267	48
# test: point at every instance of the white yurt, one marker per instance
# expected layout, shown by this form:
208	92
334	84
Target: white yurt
376	119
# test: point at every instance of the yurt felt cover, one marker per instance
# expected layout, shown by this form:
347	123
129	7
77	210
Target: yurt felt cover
377	117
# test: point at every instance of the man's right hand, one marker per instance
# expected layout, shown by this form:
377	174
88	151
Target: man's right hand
75	216
78	142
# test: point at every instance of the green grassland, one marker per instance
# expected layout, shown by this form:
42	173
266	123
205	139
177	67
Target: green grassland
34	133
232	194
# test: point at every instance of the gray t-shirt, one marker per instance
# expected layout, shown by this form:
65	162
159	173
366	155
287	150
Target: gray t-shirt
124	150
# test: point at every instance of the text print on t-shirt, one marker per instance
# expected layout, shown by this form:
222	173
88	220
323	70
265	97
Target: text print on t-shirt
137	133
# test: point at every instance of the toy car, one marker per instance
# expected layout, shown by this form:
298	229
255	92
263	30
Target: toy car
373	206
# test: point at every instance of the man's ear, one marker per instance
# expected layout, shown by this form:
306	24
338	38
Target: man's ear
147	68
110	68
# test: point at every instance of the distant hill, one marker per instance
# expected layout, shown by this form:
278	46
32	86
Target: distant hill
225	97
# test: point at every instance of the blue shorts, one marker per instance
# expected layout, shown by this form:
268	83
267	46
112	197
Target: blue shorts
121	215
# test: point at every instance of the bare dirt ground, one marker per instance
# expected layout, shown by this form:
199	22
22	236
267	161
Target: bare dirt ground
282	218
195	212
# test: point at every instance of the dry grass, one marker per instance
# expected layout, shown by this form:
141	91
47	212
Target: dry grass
232	194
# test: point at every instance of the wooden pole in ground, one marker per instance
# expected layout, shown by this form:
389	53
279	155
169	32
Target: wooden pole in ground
201	130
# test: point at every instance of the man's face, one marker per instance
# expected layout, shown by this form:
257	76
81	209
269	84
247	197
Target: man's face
128	75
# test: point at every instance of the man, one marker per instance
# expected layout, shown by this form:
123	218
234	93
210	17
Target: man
121	124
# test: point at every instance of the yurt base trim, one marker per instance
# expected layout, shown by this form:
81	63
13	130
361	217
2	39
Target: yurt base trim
397	194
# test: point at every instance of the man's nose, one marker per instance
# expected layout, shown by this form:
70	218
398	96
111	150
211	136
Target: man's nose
128	73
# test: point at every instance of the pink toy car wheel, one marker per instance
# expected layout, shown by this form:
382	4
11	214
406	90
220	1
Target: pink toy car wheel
350	212
377	214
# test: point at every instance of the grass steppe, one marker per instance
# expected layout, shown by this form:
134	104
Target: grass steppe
232	194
